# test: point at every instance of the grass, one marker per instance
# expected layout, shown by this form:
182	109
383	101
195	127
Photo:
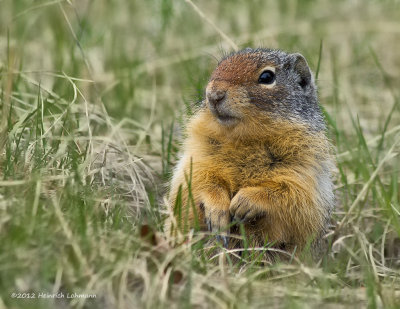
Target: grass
92	95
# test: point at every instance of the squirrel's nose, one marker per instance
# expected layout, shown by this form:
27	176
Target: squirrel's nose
216	96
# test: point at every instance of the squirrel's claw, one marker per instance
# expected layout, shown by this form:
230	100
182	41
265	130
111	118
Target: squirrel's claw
222	239
209	225
217	222
225	241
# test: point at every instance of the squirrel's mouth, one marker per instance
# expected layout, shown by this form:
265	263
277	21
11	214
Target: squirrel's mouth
224	118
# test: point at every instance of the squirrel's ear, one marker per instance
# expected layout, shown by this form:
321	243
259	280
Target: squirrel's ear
300	66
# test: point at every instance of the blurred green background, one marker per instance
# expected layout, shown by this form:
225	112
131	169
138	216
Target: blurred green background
93	94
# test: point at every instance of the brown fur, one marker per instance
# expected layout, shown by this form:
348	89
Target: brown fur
264	165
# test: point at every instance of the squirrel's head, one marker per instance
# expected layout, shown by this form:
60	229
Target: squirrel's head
261	86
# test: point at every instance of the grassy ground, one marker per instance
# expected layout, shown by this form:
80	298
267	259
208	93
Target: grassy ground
91	96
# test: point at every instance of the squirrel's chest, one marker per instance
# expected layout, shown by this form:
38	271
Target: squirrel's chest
248	164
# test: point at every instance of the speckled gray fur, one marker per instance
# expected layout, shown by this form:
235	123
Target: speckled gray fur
299	104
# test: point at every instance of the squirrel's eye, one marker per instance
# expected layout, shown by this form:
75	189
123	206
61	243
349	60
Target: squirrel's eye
266	77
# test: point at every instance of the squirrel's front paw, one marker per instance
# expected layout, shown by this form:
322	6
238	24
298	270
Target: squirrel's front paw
243	207
216	219
215	204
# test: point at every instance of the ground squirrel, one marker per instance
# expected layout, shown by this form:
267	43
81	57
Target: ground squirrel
256	153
